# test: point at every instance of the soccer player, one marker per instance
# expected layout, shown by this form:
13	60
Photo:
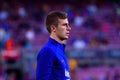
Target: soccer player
51	60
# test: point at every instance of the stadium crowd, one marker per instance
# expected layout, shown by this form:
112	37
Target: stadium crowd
94	23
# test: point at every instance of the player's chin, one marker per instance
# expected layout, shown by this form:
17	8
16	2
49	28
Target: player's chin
66	37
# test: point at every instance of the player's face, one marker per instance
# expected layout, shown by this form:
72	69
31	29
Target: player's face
63	29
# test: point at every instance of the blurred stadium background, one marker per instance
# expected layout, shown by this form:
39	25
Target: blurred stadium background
93	49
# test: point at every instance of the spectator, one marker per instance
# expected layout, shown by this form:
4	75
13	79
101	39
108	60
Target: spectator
116	75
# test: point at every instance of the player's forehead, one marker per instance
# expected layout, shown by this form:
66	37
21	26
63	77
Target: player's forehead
63	20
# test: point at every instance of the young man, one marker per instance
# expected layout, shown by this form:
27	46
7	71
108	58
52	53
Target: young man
51	60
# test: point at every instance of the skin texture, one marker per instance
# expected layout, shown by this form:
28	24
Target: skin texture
61	32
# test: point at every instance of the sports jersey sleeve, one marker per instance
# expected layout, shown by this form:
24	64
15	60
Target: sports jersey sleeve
45	61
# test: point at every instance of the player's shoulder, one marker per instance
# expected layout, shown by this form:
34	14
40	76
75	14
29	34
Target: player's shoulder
46	51
48	48
45	48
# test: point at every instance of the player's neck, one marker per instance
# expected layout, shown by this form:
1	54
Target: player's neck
57	39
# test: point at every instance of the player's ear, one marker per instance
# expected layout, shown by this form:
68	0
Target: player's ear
53	28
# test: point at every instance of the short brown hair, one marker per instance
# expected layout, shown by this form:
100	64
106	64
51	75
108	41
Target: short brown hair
52	18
